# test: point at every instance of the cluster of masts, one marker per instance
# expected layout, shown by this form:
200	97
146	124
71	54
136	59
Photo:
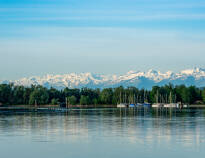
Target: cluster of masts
166	98
132	101
162	101
165	101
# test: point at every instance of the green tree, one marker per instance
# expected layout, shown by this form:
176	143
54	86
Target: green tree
18	95
118	95
71	92
106	96
84	100
6	94
26	95
203	95
72	100
54	94
95	101
39	96
193	94
54	101
185	95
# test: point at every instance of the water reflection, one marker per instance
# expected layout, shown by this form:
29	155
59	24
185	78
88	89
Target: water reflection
134	131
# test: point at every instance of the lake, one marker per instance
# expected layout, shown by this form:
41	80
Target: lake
104	133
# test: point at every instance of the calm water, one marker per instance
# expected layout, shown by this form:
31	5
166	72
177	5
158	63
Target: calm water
102	134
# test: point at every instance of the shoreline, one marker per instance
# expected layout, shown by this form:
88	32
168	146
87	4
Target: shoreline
83	106
16	110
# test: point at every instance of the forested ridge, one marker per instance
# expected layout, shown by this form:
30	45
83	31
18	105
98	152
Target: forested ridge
11	94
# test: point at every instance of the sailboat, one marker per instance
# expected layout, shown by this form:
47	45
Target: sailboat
121	105
157	104
171	103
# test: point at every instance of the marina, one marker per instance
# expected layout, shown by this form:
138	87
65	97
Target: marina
134	107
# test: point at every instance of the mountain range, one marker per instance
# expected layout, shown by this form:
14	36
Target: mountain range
137	79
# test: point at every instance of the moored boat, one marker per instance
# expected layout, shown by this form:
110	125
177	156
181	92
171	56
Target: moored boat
122	105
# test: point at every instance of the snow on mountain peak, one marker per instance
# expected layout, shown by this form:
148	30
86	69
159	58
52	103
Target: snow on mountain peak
138	79
188	71
151	71
131	72
196	72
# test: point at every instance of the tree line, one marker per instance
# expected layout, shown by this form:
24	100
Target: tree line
11	94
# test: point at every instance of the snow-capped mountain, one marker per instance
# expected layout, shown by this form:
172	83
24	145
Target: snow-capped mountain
138	79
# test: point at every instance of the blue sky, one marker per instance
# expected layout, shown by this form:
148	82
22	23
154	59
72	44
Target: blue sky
104	36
